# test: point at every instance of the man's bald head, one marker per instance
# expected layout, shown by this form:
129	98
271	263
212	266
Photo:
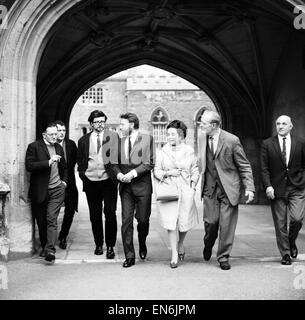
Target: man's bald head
283	125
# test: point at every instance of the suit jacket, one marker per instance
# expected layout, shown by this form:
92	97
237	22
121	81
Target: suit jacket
232	165
274	170
37	162
109	154
71	159
142	160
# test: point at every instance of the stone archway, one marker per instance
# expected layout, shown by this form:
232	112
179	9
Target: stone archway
22	44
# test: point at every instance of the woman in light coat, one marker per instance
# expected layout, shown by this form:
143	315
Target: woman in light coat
177	163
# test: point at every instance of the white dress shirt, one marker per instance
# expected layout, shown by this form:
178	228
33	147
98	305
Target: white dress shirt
288	146
215	140
133	137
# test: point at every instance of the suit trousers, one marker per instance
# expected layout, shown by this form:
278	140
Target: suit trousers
68	217
141	206
289	207
99	193
46	214
219	215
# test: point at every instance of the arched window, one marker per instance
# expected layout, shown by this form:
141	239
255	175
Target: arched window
159	120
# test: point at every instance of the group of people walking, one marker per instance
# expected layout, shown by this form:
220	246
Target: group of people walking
108	163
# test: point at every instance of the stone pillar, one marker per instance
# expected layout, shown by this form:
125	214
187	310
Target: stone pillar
4	242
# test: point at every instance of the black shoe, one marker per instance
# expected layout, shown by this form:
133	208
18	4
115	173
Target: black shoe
110	253
42	253
286	260
143	251
224	265
128	263
293	251
207	253
62	244
98	250
50	257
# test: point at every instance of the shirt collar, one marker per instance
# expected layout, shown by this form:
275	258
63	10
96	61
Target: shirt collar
48	143
288	137
216	134
134	134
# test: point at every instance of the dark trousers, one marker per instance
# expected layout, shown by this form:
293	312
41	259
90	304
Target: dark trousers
290	207
46	214
219	215
141	207
68	218
99	193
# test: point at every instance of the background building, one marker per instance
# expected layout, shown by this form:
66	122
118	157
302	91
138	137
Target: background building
155	95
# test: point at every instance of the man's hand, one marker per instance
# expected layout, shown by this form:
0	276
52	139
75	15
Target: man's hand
128	177
54	158
250	195
270	193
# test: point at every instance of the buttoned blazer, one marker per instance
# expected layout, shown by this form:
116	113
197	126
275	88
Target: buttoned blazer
274	170
142	161
37	162
233	167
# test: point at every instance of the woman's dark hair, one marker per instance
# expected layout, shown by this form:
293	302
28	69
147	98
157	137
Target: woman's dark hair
179	126
132	118
96	114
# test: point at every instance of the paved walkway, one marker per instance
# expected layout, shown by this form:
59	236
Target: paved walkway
79	274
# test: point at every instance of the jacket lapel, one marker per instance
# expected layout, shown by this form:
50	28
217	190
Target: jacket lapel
293	148
220	143
134	147
277	148
44	148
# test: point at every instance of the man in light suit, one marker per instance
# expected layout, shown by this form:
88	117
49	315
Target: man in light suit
283	173
224	167
133	170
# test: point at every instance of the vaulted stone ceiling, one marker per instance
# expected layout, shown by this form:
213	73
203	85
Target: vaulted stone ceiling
231	49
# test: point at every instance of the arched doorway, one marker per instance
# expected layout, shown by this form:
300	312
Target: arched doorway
52	51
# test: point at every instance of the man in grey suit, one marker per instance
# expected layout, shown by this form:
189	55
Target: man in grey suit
224	168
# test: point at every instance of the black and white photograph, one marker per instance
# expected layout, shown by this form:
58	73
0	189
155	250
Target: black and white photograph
152	154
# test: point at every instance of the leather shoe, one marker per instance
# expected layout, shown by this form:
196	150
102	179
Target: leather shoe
50	257
128	263
98	250
62	244
143	251
286	260
293	251
110	253
207	253
224	265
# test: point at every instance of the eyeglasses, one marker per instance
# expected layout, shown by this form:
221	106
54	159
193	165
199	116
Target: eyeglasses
99	122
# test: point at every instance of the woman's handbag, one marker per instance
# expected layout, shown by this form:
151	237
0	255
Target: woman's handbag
166	191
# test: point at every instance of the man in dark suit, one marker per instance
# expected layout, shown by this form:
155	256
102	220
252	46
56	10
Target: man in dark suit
71	198
224	167
283	173
136	160
96	150
46	162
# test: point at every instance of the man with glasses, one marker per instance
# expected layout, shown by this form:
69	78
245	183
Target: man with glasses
96	152
46	162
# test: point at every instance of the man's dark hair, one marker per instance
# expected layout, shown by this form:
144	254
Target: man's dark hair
96	114
60	123
179	126
132	118
49	125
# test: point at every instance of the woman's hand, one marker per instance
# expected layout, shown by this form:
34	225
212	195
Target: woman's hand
173	172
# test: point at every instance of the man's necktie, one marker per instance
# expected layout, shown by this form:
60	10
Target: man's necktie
129	148
284	150
98	143
211	145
